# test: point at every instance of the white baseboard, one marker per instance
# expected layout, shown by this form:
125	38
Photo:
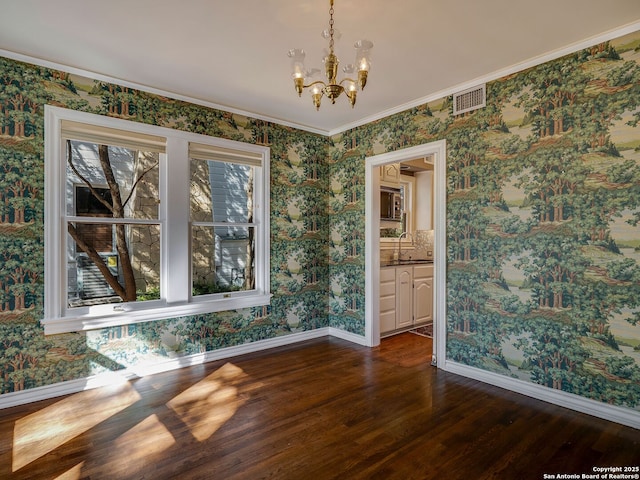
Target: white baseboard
350	337
612	413
620	415
74	386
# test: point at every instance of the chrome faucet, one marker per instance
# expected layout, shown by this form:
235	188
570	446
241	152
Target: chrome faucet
406	235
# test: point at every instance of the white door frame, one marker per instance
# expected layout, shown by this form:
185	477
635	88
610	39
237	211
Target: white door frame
372	244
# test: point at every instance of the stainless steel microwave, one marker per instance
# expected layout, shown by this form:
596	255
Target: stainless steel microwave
390	204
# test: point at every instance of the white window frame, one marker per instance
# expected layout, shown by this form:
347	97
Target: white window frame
175	231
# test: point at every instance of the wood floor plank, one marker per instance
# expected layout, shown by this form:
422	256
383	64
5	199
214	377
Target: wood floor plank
323	409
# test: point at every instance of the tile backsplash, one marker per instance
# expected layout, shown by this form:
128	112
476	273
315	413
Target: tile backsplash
418	247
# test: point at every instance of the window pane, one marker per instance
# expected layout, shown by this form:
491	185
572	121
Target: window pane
222	259
94	173
95	236
221	192
93	202
136	265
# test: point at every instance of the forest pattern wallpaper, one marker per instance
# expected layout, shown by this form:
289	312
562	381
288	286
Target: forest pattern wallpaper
543	204
299	234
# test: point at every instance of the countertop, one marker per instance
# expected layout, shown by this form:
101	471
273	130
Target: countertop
396	263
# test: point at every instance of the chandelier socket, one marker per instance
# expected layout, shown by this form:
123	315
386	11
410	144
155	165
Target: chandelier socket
317	98
352	97
362	78
299	83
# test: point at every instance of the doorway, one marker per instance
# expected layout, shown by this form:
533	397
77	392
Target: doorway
436	150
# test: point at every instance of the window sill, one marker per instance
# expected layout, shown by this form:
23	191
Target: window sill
93	322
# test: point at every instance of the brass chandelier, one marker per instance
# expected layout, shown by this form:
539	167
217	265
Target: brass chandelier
333	89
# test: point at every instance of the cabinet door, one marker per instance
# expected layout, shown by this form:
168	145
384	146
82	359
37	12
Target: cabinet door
404	295
390	173
387	299
423	300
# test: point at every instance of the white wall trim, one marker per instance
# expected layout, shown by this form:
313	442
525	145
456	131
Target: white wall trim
156	91
348	336
518	67
624	416
74	386
615	33
563	399
372	243
171	219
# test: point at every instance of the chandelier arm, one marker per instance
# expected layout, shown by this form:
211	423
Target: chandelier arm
315	83
347	79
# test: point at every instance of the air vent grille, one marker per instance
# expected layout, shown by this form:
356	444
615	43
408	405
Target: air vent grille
470	99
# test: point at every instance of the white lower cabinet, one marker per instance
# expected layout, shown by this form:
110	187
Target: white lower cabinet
406	296
387	299
423	294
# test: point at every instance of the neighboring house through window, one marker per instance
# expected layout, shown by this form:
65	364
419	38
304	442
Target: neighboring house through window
86	283
145	222
94	203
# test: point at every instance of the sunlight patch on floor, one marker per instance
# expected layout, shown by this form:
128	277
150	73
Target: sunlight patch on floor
74	473
149	437
208	404
45	430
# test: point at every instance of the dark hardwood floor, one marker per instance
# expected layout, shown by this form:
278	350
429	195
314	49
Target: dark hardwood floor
323	409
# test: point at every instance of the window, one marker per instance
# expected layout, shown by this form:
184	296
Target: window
145	222
223	227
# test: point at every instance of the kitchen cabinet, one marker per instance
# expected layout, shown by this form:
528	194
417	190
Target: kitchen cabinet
424	201
422	294
387	299
406	297
390	173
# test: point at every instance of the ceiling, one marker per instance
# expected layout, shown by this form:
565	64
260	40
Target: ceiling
233	54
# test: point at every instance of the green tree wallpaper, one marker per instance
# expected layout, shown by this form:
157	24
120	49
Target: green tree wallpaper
299	276
543	244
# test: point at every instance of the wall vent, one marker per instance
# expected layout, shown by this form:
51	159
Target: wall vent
470	99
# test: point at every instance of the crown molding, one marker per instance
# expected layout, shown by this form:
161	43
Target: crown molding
518	67
572	48
156	91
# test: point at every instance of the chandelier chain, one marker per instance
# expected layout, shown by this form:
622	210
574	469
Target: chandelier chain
331	27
